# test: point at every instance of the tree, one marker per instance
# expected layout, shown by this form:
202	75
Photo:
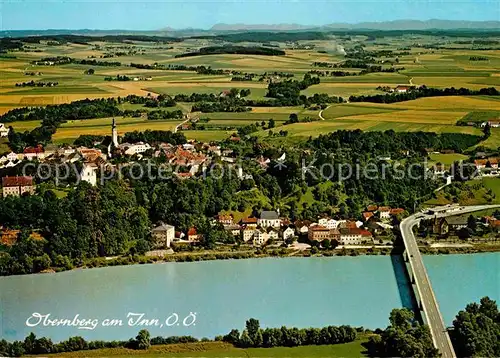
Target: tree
487	131
232	337
245	341
271	124
143	340
252	327
90	71
471	223
476	330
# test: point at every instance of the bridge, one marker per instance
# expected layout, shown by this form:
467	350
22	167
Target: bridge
422	288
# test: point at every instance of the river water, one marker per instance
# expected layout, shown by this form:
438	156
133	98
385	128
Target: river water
302	292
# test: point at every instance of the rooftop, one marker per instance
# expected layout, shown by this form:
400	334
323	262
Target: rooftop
269	215
17	181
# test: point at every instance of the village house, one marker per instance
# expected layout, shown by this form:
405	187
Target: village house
328	223
443	226
90	154
288	233
192	235
367	215
31	153
233	229
163	235
302	226
225	219
12	157
249	222
134	149
269	219
17	186
396	211
355	236
320	233
89	173
260	237
248	233
371	208
4	131
492	124
403	89
384	212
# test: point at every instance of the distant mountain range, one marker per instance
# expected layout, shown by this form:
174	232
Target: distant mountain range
385	25
223	28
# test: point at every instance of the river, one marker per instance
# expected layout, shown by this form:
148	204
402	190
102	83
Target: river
302	292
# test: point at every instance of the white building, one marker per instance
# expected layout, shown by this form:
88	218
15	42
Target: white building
260	237
4	131
163	235
269	219
384	212
137	148
355	236
328	223
248	234
89	173
288	233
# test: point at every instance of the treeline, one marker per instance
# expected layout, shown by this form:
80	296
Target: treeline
252	336
424	91
155	136
242	50
478	58
64	60
202	70
390	142
224	105
53	116
37	84
118	78
35	346
256	337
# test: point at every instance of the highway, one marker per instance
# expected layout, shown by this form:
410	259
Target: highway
429	305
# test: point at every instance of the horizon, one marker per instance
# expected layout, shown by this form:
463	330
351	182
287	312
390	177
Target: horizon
157	15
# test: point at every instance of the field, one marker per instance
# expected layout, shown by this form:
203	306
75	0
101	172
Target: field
475	192
219	349
443	67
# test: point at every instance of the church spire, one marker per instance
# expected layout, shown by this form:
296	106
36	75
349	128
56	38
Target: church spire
114	134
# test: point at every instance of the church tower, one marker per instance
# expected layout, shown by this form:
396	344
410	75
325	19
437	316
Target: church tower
114	134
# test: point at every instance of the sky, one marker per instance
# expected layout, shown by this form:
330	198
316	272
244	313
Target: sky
180	14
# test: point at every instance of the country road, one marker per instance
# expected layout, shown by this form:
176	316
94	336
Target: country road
321	113
423	285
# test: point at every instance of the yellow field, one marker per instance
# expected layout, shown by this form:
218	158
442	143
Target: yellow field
410	116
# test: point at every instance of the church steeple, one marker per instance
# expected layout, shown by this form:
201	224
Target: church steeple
114	134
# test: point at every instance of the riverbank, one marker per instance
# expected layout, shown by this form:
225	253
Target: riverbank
222	349
251	253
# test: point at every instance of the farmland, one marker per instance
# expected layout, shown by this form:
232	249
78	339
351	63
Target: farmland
440	67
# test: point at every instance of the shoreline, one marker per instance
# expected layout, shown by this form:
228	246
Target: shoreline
103	262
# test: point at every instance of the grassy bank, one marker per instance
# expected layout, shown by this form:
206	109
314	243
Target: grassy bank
221	349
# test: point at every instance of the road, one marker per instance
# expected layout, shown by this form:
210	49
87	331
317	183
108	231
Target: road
321	113
430	306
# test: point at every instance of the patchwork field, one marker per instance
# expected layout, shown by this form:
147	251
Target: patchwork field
447	66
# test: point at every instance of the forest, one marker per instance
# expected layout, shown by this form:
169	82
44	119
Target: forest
241	50
424	91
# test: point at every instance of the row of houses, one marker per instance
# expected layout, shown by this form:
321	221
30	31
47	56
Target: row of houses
383	212
269	226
